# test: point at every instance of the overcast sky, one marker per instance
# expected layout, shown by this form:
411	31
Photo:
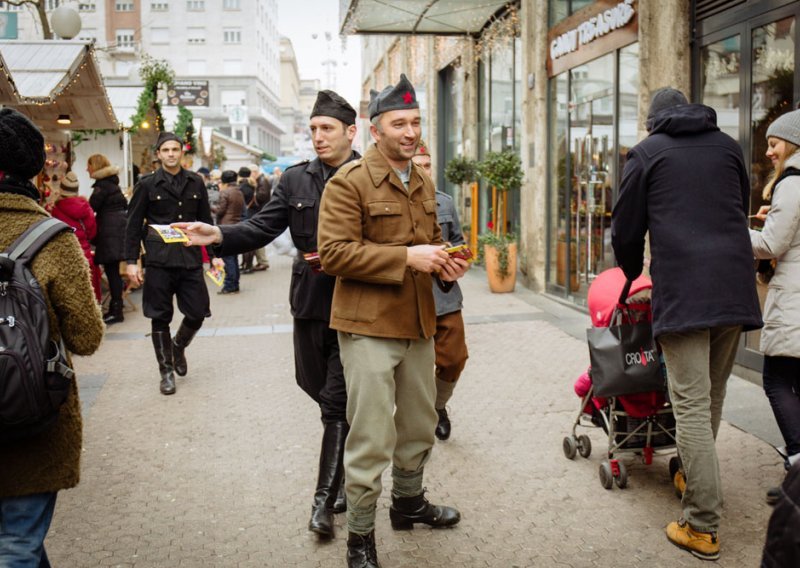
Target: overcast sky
300	21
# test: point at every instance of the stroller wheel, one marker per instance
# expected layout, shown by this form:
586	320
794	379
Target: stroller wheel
570	447
622	479
606	477
584	446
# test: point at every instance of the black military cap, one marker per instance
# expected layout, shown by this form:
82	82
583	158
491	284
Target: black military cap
332	104
166	137
399	97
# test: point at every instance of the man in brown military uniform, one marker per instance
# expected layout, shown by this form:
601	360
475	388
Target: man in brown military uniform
379	236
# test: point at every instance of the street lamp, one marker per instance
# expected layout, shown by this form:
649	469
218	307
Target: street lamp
66	22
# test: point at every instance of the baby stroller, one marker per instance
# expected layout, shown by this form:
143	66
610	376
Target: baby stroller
637	423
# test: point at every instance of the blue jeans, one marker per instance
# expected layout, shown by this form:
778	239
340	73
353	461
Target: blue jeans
782	385
231	273
24	522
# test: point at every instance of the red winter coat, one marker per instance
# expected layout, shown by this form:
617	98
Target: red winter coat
78	214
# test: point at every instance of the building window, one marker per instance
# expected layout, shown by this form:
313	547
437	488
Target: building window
159	6
123	6
159	35
197	35
88	34
196	66
87	7
124	38
195	5
231	5
232	35
232	66
53	4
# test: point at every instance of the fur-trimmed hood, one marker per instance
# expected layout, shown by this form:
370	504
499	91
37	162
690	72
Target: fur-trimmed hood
105	172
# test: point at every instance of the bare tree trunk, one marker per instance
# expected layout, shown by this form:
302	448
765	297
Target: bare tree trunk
47	33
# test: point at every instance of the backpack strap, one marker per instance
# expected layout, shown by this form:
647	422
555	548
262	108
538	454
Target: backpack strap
34	238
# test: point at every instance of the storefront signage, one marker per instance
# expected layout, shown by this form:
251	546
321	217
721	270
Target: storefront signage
188	93
600	28
8	25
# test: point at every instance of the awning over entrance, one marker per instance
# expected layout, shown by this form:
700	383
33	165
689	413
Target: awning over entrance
434	17
54	78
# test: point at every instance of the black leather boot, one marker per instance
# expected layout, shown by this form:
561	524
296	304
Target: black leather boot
443	427
361	551
330	478
181	341
340	506
114	314
405	511
162	343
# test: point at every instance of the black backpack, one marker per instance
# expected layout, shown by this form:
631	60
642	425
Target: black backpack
34	377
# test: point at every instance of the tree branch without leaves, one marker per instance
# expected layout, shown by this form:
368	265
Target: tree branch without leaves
39	6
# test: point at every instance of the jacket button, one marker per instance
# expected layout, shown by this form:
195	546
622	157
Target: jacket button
387	209
180	216
299	205
180	202
158	197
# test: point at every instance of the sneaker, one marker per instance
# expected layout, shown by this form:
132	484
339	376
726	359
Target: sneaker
703	545
679	481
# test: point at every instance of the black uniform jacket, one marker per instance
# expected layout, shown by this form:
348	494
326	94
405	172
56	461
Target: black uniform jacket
156	202
294	204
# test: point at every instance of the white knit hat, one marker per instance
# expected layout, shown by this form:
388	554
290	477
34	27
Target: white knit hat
786	127
69	184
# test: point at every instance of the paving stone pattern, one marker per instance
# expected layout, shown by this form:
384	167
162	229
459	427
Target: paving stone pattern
222	473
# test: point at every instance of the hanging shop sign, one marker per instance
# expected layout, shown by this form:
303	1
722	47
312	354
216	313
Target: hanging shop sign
598	29
188	93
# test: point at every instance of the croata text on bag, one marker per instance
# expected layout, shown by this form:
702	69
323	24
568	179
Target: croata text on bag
624	356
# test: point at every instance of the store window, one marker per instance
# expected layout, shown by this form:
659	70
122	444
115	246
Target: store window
451	119
560	9
593	124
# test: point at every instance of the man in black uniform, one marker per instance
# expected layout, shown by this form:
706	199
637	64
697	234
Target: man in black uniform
295	204
168	195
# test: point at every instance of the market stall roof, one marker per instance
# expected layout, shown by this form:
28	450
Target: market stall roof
8	90
433	17
57	77
125	101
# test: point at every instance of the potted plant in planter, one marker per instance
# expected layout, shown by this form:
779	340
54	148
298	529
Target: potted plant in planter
503	172
463	171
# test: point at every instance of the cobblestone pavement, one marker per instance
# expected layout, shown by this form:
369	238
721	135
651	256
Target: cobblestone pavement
222	473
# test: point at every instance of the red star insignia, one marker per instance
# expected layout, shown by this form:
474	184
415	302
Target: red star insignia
408	98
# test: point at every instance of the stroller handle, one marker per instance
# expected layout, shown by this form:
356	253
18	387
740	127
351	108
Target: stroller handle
623	298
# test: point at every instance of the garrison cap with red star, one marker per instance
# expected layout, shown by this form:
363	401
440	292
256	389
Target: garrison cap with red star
399	97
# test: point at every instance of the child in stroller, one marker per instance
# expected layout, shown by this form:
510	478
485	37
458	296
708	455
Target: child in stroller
639	423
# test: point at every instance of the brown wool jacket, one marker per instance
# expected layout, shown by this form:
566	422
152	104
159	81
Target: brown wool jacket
366	221
51	460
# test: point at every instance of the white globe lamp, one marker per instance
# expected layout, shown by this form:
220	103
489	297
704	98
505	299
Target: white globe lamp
66	22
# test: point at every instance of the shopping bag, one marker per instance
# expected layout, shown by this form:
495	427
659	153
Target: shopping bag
624	356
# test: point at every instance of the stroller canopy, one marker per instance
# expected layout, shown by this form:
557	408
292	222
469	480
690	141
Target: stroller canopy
605	291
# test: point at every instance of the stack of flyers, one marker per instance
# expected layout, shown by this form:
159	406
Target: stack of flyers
460	251
217	275
170	234
312	258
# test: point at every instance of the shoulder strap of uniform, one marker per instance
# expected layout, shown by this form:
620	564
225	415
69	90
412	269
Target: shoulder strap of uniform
34	238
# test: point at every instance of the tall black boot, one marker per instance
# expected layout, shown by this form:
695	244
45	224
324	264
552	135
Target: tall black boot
114	314
361	551
181	341
162	343
340	506
405	511
330	477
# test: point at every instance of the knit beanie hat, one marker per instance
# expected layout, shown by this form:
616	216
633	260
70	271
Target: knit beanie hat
665	98
786	127
69	184
21	145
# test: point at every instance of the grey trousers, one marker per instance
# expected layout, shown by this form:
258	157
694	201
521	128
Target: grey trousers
390	408
698	366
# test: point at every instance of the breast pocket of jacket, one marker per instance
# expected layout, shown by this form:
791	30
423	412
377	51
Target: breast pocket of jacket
429	206
189	206
301	220
161	205
385	221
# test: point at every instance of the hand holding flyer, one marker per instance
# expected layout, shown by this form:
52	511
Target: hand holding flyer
217	275
460	251
170	234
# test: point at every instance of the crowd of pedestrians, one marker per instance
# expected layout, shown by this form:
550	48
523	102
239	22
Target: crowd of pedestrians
378	334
